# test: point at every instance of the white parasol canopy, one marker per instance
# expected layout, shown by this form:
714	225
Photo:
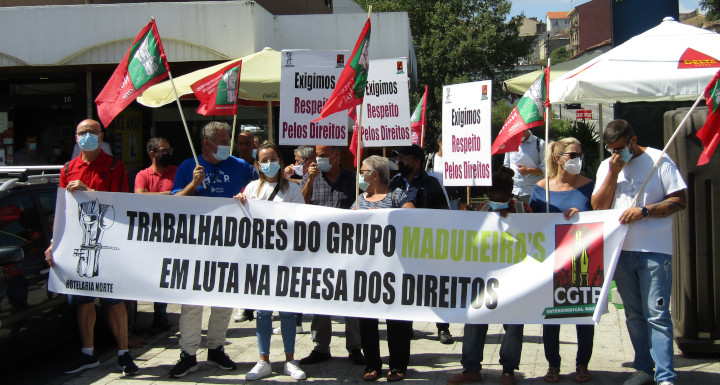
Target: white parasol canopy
671	62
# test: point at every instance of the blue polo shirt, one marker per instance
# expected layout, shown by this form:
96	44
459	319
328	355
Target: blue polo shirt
224	179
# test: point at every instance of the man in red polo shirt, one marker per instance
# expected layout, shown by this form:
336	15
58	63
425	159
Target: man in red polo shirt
94	170
158	179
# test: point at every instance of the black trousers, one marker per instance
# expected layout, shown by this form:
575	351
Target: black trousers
398	338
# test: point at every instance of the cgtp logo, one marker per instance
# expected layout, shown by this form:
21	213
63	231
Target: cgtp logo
94	218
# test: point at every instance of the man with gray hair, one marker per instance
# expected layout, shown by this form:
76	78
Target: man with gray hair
224	176
304	155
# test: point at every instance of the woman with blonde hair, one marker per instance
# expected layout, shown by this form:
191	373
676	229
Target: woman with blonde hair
570	193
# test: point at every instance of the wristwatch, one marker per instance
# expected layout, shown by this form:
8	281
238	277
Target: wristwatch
645	211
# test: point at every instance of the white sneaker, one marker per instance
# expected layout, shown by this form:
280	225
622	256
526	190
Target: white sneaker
261	370
277	330
639	378
293	370
299	329
238	315
666	382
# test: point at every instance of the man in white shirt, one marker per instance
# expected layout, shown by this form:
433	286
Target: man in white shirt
528	162
644	270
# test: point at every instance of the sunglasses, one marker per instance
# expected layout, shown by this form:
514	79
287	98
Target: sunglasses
573	155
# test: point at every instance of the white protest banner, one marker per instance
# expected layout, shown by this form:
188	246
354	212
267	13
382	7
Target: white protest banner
460	266
307	79
385	108
466	134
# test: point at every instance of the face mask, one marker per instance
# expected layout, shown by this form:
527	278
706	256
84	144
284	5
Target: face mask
404	169
625	154
573	166
362	183
324	164
165	160
298	169
254	153
270	169
223	152
498	205
32	146
56	151
88	142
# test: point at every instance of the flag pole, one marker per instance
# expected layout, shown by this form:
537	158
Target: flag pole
182	116
667	146
547	136
237	95
358	162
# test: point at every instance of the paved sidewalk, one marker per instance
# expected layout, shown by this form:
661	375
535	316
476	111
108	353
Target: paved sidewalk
430	362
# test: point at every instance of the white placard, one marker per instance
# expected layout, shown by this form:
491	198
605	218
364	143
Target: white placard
307	79
385	108
466	123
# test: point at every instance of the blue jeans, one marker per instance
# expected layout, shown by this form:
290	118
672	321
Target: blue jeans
264	331
160	310
644	281
474	344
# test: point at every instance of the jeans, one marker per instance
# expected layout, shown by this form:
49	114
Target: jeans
321	329
644	281
474	344
264	331
399	334
191	327
160	310
551	343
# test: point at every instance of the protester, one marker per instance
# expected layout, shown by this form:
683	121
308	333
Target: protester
223	176
304	155
59	153
105	146
570	193
89	172
30	154
328	184
374	178
501	201
644	273
158	179
528	163
425	192
271	186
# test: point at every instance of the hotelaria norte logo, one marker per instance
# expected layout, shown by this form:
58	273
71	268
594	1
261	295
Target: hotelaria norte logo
94	218
578	273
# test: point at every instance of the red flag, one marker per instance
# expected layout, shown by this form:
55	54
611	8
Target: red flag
528	113
352	114
217	92
143	65
350	87
417	121
709	134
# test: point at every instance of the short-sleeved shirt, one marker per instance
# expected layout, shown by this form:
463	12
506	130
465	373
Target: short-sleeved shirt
255	190
560	201
425	191
96	174
531	154
513	206
152	181
339	194
648	234
224	179
393	199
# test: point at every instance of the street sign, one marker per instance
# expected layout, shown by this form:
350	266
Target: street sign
583	114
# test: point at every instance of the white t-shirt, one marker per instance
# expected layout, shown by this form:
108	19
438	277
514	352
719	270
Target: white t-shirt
292	194
648	234
438	166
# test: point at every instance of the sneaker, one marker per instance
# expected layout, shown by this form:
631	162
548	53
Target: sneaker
445	337
239	316
293	370
261	370
277	330
82	362
218	357
186	364
507	378
315	357
357	357
299	329
466	377
640	377
666	382
126	365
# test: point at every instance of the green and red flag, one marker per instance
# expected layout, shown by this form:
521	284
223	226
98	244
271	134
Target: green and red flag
354	142
709	134
143	65
417	121
528	113
350	87
217	92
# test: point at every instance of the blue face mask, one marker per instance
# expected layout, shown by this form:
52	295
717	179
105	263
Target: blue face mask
32	146
498	205
222	153
625	154
254	153
270	169
362	183
88	142
324	164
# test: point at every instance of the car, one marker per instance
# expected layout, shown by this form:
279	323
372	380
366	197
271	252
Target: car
31	317
573	106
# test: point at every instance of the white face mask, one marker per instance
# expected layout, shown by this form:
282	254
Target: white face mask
298	169
573	166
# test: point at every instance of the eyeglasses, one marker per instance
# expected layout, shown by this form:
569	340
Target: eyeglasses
164	152
618	149
573	155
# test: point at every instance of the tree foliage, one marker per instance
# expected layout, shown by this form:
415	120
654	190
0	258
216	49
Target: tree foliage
712	7
457	41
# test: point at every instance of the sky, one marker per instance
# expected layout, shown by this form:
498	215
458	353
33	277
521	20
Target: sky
537	8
